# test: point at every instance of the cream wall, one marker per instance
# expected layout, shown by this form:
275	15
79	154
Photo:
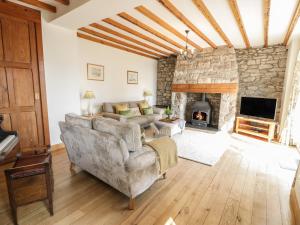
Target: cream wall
65	62
114	88
293	50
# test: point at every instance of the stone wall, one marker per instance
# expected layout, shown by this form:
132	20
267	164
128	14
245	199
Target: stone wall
261	73
209	66
165	73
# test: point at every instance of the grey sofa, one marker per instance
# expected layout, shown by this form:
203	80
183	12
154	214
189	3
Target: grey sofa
108	110
112	151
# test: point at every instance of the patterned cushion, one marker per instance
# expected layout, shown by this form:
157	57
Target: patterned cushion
143	105
127	113
148	111
121	107
129	132
74	119
135	111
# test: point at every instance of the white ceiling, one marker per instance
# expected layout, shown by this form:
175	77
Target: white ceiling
90	11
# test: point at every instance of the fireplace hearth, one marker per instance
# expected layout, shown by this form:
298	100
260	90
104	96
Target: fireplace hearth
201	113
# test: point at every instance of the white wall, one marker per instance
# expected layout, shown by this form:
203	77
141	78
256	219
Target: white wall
293	50
114	88
66	58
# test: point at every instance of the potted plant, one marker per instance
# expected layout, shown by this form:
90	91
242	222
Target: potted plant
168	112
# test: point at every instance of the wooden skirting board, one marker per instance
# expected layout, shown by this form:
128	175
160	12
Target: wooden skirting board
206	88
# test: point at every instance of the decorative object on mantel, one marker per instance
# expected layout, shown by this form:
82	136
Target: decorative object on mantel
89	95
187	53
95	72
132	77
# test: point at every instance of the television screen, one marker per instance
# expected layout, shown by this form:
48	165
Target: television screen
258	107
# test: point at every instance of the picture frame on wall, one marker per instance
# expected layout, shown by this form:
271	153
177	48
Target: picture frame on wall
132	77
95	72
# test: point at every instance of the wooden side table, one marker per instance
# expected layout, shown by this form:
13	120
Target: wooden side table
26	167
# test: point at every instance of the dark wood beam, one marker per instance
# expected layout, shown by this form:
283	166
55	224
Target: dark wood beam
97	40
292	24
112	39
149	29
65	2
168	5
205	11
138	34
40	4
237	15
113	32
146	12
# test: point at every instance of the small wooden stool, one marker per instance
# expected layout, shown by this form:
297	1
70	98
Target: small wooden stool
27	166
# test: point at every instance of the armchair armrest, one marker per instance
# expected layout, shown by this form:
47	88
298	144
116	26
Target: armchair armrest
140	159
115	116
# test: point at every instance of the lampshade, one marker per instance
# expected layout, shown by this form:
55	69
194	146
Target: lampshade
147	93
89	95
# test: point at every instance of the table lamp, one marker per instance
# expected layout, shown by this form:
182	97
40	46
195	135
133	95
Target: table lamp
147	95
89	95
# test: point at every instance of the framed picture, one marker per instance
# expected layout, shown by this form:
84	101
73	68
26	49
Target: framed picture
132	77
95	72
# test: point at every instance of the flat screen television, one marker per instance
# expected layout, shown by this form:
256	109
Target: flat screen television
258	107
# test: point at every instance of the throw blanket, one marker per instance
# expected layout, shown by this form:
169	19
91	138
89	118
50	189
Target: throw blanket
166	150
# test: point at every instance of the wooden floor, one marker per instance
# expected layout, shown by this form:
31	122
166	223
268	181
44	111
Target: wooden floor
238	190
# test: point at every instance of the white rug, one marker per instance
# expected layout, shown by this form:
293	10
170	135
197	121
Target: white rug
205	147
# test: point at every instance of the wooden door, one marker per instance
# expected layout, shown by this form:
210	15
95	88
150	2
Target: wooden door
20	81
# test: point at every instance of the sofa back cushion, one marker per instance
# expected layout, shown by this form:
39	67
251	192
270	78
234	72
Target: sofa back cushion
129	132
75	119
110	107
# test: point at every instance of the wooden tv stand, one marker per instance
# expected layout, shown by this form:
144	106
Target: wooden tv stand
255	127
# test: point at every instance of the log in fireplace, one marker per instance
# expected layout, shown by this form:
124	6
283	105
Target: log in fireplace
201	112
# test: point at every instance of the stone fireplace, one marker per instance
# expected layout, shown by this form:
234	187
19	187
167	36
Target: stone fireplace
213	100
214	72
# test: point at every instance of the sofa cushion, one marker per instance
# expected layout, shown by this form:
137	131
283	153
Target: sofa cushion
148	111
135	111
108	107
133	104
140	160
74	119
143	105
129	132
121	107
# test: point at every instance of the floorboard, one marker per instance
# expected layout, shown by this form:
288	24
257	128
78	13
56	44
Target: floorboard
238	190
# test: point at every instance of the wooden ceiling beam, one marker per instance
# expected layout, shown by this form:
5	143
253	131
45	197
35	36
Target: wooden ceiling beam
266	6
292	24
146	12
41	5
112	39
65	2
138	34
97	40
149	29
205	11
237	15
113	32
168	5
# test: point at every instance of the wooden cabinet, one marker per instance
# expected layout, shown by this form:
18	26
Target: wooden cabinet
256	127
22	88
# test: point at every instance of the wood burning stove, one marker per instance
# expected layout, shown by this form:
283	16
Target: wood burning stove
201	112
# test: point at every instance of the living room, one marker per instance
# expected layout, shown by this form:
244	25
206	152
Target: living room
149	112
